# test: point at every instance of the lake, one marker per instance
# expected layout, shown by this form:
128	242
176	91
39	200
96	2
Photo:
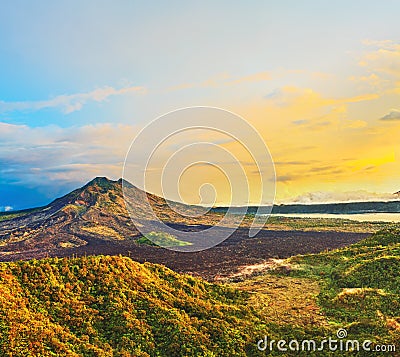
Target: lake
361	217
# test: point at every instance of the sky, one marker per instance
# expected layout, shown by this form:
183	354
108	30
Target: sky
319	80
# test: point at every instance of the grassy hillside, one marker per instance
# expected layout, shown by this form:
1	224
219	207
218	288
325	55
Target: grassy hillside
113	306
360	286
356	288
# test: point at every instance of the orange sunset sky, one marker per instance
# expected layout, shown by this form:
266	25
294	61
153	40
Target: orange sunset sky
320	82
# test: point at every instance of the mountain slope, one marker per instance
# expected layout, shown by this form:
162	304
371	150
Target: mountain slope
113	306
96	211
66	221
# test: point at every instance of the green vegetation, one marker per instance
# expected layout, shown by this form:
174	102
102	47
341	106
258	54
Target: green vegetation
356	288
74	209
4	216
113	306
360	286
161	239
324	224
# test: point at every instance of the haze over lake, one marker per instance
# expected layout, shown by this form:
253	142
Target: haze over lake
361	217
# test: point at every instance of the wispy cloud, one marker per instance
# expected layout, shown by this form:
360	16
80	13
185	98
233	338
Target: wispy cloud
299	122
378	69
289	96
69	103
394	114
318	112
382	44
383	60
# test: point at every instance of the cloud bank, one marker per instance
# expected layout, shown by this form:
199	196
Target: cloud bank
336	197
68	103
32	156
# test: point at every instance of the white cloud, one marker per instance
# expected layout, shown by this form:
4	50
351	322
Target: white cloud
32	156
6	208
69	103
334	197
381	63
382	44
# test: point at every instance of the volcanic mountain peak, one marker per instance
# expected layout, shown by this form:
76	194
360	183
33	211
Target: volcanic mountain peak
99	191
103	182
96	211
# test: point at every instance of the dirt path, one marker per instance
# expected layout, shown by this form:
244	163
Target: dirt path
285	300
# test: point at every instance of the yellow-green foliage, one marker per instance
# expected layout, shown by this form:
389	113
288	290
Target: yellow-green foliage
360	285
104	231
161	239
113	306
75	209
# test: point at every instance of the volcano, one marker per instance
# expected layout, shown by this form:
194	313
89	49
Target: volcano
94	211
94	220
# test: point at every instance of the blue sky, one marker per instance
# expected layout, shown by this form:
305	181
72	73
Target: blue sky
73	75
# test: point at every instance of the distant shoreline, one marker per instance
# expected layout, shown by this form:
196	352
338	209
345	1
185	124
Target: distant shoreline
359	217
323	208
